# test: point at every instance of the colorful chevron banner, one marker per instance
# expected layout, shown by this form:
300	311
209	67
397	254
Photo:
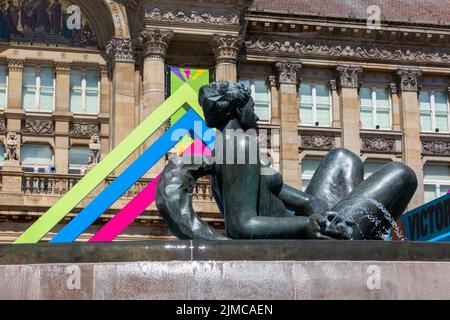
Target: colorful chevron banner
187	126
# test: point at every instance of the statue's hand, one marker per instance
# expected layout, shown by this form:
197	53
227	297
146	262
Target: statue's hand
320	228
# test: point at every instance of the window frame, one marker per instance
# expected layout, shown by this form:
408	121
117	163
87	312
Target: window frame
37	168
6	89
38	86
314	103
253	90
84	90
435	183
432	102
308	177
374	107
78	167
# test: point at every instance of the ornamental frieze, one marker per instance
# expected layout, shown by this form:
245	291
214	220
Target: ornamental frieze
378	145
317	142
341	49
191	15
436	148
37	126
84	129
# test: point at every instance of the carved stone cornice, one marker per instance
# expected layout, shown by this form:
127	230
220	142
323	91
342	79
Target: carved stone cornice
303	48
15	65
408	80
154	43
120	50
436	148
349	76
62	68
84	129
381	145
226	48
317	142
191	15
288	73
37	126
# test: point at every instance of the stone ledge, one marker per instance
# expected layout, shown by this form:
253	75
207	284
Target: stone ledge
272	250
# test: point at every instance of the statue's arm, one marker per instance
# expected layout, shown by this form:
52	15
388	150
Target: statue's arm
240	185
302	203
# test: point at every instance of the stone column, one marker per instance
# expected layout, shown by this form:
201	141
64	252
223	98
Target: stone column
395	107
15	74
105	106
121	59
274	105
62	117
408	83
154	44
288	79
335	104
348	81
226	49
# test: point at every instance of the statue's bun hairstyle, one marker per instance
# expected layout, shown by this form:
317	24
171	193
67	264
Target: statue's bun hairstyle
221	99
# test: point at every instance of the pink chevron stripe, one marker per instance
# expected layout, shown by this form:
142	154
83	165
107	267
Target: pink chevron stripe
141	202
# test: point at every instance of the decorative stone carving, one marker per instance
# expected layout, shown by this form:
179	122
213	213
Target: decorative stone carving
378	145
63	68
191	15
393	88
288	73
120	50
349	76
436	148
318	142
343	49
226	48
333	85
409	80
36	126
95	149
11	144
15	65
84	129
272	80
155	42
2	124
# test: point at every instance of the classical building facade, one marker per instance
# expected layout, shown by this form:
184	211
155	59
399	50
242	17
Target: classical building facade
76	77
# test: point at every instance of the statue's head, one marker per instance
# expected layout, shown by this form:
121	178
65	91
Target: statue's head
223	101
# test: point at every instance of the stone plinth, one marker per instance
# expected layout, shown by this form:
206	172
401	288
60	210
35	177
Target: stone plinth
226	270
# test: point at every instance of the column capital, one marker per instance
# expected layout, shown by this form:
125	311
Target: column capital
288	73
349	76
120	50
393	88
62	68
226	48
408	80
155	42
15	65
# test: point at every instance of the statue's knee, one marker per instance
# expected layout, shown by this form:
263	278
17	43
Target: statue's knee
344	157
405	173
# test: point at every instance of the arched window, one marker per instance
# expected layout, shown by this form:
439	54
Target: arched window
78	159
36	157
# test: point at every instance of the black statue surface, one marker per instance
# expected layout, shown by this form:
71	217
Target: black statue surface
337	204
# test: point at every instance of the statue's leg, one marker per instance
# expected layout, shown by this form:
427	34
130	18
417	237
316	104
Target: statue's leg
378	201
337	176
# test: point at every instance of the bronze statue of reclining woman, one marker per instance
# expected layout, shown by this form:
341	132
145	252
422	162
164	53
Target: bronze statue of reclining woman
256	204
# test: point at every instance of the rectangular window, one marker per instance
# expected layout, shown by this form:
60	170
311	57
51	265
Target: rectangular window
261	96
3	87
309	167
434	111
436	181
84	91
36	158
38	89
78	160
2	154
375	109
370	167
315	104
